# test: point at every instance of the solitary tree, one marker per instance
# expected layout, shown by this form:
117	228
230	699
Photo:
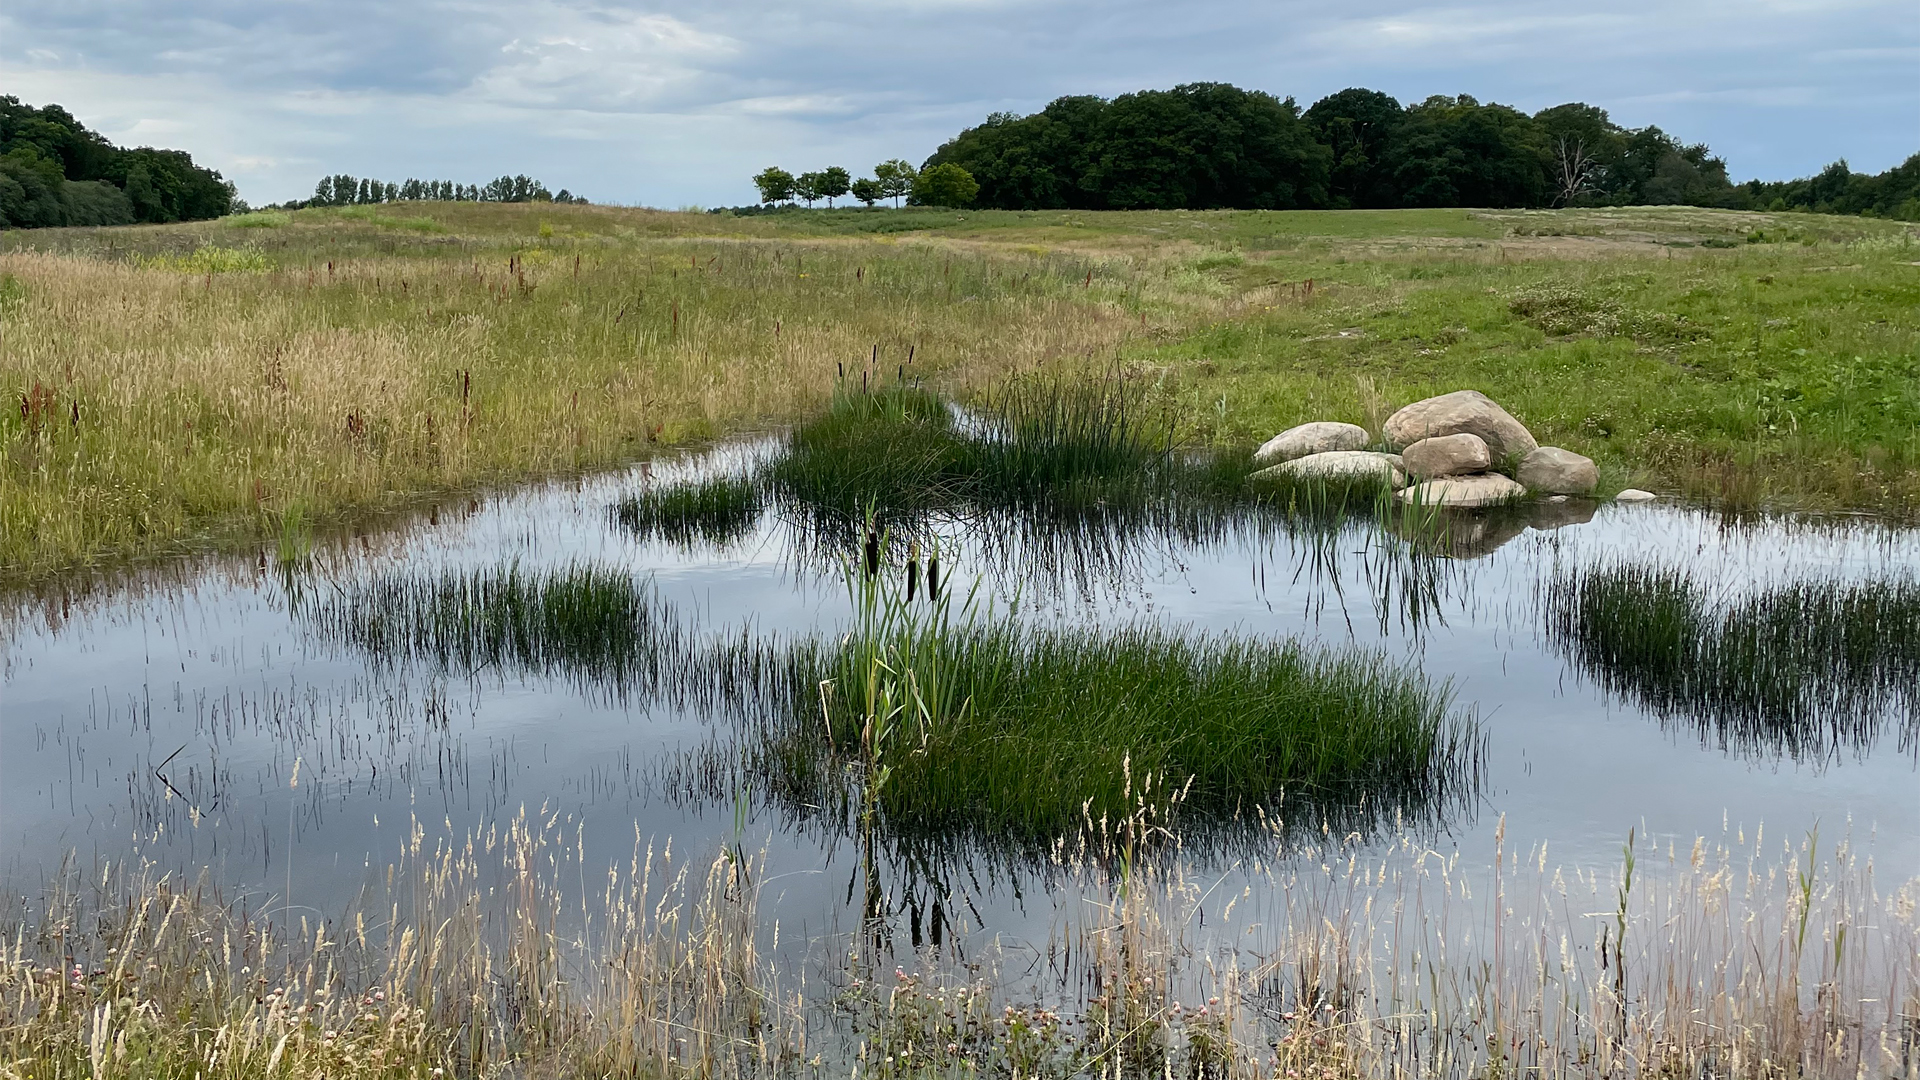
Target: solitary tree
867	190
944	185
895	178
834	181
775	184
809	186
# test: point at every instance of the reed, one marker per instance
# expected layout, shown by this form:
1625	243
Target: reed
715	511
502	953
1811	669
977	725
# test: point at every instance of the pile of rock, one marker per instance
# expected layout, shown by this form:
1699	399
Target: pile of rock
1457	449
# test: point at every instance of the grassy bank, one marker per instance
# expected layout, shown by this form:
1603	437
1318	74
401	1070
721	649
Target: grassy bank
501	954
221	383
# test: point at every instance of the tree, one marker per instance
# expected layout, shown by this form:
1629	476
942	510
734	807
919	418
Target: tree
1358	127
809	186
1205	146
775	184
867	190
834	182
944	185
1458	152
895	178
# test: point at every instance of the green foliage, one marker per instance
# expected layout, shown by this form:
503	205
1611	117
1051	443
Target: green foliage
1839	190
868	190
776	185
834	181
970	724
1200	145
895	178
54	172
809	186
345	190
1210	145
944	184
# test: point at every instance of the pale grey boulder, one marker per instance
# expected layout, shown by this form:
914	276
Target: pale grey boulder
1318	437
1487	489
1635	495
1340	465
1554	471
1468	411
1447	455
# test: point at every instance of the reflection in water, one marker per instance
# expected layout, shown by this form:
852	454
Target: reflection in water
1809	670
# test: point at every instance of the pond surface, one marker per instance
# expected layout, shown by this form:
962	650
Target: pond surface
202	720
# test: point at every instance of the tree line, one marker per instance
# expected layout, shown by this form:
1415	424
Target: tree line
345	190
1213	145
54	171
936	185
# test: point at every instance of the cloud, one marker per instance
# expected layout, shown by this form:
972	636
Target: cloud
677	101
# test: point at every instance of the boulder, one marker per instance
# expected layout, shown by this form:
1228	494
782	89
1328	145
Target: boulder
1319	437
1487	489
1340	465
1557	472
1558	511
1635	495
1467	411
1447	455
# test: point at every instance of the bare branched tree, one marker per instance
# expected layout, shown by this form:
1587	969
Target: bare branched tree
1575	170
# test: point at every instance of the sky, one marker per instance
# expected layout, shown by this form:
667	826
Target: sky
676	103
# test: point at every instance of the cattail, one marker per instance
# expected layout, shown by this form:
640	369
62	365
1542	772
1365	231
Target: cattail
873	553
913	572
933	575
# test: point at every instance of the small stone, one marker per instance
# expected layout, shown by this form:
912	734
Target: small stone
1633	495
1561	472
1487	489
1447	455
1463	410
1340	465
1318	437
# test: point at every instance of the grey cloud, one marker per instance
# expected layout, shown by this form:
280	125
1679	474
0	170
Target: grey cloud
678	101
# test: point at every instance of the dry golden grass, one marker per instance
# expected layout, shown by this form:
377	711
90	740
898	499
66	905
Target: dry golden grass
504	954
162	409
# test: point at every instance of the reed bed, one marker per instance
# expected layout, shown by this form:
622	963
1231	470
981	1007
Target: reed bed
962	724
501	954
1812	669
952	722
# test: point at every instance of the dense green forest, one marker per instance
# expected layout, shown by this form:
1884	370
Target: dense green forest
1211	145
53	171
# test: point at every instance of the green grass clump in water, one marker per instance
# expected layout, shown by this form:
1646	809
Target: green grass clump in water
717	511
1805	670
597	628
988	728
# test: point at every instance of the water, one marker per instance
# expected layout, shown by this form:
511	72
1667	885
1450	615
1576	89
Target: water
198	719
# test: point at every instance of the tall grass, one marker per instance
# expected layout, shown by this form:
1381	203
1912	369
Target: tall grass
501	953
715	511
966	724
360	368
1810	670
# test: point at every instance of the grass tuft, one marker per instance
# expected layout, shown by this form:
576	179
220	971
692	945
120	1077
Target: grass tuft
1808	670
